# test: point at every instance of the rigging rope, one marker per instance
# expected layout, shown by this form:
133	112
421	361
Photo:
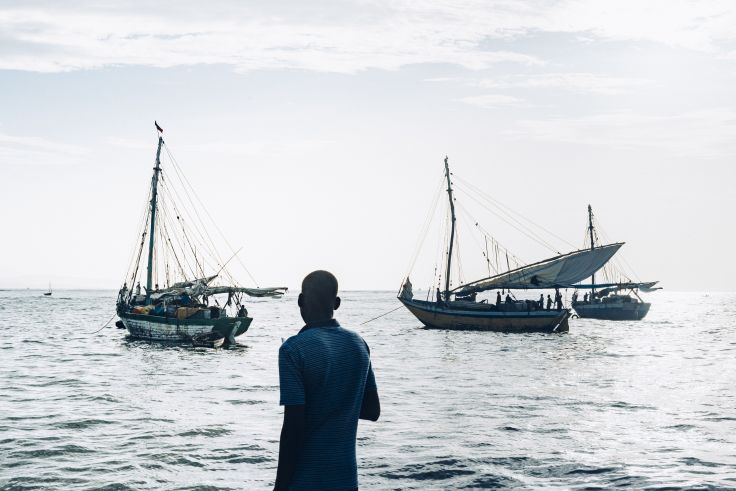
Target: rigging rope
425	228
509	211
465	217
485	233
201	240
520	227
616	265
194	192
132	272
196	242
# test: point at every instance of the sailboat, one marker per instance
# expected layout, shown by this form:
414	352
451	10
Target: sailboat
201	308
48	293
611	300
456	308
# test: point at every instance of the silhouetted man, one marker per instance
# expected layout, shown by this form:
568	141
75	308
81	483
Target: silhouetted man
549	302
242	311
327	384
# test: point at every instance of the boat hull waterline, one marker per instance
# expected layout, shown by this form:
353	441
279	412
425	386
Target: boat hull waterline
633	311
435	316
156	328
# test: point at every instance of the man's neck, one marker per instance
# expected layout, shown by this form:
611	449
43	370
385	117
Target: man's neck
330	322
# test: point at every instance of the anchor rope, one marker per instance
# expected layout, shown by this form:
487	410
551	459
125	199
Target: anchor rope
378	317
106	323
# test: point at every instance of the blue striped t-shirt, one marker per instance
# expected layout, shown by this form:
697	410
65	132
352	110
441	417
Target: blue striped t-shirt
327	369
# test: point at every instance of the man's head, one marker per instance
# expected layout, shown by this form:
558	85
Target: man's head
318	299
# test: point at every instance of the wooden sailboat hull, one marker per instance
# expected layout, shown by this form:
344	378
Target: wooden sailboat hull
481	317
627	311
157	328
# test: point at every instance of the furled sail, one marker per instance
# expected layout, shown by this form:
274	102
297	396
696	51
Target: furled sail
198	288
252	292
606	288
628	285
557	272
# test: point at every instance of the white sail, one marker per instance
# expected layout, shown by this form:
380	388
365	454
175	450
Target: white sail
557	272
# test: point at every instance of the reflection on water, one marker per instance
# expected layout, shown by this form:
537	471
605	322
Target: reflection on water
626	404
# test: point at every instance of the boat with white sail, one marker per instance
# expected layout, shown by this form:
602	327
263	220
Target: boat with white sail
611	300
191	305
458	307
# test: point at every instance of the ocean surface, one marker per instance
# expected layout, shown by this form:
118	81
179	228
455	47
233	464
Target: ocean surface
646	404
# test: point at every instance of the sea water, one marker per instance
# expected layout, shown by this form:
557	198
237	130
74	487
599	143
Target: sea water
626	404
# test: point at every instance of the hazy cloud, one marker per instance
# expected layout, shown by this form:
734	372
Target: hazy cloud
15	150
576	81
346	37
701	134
493	100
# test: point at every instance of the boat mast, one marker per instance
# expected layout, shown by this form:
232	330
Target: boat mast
592	246
452	231
154	194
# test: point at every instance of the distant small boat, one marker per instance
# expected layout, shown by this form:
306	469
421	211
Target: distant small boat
606	300
48	293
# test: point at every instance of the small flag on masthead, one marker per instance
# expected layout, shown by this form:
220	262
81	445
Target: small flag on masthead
160	129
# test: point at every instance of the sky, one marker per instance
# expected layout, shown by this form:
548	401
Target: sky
315	132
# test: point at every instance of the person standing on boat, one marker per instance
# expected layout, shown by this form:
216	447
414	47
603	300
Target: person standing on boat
541	301
406	290
326	384
123	291
138	288
558	299
549	302
498	299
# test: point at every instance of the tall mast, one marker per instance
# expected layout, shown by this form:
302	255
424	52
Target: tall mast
154	194
592	246
452	232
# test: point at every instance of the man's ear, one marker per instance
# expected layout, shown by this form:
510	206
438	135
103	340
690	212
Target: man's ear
337	303
300	300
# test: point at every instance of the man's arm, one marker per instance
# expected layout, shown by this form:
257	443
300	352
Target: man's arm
371	407
290	446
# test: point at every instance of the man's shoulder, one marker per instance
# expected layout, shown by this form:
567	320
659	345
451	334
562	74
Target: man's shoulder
348	332
312	335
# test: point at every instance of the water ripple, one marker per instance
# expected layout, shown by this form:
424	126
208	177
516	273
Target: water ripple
647	405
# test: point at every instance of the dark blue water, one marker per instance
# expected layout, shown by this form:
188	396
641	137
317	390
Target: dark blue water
624	404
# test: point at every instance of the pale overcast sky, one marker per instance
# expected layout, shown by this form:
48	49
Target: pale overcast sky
315	131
